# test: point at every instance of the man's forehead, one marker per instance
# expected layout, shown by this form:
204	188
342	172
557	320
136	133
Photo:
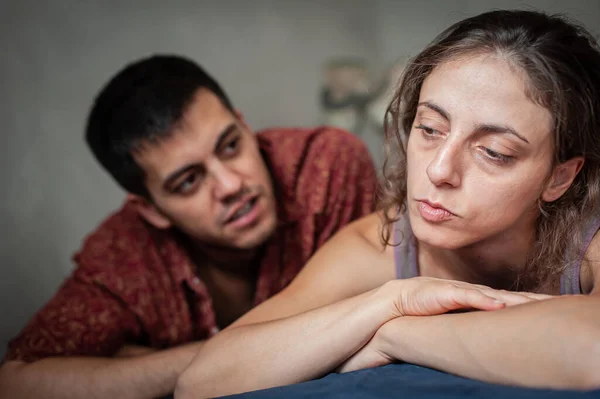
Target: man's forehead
191	140
203	119
206	102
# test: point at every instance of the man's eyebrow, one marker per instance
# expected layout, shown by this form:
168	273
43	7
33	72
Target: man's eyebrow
182	170
175	175
224	134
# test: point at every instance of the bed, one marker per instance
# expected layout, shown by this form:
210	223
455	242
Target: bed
406	381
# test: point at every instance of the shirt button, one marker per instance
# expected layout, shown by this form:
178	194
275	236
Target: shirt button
195	281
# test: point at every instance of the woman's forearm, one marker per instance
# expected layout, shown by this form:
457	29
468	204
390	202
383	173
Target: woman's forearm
310	344
553	343
284	351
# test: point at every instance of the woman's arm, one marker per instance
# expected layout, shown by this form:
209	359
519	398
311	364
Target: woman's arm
553	343
308	344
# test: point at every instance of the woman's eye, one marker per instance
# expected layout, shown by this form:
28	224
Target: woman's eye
496	156
427	131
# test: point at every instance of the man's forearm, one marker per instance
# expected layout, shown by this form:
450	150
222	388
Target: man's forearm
298	348
553	343
146	376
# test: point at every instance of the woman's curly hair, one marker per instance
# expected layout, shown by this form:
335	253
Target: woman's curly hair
561	62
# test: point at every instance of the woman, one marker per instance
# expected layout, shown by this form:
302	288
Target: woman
492	187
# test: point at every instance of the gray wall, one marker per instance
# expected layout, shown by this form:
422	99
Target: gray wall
267	55
405	27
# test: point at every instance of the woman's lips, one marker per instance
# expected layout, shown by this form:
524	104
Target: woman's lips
434	213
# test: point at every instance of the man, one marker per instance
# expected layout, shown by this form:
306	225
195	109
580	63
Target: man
217	220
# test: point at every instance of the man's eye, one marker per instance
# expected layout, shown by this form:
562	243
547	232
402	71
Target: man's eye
188	184
231	147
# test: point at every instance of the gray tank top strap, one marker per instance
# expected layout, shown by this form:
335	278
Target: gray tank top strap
570	279
405	253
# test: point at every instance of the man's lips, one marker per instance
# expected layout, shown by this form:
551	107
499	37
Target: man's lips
230	216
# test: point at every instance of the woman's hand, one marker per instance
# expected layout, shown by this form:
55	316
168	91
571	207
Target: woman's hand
426	296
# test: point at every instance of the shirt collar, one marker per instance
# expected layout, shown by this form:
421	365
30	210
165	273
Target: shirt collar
289	210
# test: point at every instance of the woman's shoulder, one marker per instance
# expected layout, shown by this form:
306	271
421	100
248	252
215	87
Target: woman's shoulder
376	230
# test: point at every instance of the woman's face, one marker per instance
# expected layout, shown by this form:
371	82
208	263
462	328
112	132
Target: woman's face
478	154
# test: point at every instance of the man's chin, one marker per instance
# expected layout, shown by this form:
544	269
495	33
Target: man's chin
239	241
253	240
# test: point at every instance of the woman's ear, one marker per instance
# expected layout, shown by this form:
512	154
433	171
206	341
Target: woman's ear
148	212
561	179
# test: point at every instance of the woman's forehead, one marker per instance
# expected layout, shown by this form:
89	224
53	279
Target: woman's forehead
485	89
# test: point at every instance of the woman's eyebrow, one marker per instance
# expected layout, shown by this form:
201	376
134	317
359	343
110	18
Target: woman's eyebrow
500	129
435	108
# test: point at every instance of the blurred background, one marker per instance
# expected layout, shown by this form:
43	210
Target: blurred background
283	63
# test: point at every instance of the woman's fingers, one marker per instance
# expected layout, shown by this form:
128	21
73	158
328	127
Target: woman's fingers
471	298
511	298
535	296
431	296
488	299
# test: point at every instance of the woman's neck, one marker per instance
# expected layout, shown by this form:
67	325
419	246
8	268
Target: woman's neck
496	262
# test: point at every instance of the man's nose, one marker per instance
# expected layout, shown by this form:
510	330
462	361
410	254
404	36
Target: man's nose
227	182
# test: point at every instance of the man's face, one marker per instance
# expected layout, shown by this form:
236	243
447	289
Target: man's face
209	180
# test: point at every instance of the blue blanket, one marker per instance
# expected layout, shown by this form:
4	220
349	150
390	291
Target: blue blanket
405	381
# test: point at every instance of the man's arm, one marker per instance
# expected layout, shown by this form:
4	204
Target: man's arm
553	343
66	351
147	376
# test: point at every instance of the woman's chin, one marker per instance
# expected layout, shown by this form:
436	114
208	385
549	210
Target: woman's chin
441	237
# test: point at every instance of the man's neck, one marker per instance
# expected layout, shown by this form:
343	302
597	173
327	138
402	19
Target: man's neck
228	261
230	278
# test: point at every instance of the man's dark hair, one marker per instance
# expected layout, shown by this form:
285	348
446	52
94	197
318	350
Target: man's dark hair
144	102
